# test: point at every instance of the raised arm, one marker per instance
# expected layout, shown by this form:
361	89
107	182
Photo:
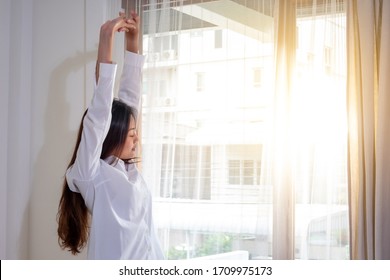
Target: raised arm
97	120
106	38
130	85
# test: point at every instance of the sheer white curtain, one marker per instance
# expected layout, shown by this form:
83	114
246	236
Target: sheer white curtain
244	127
306	148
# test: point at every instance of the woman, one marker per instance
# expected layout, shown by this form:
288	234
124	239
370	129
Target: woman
105	201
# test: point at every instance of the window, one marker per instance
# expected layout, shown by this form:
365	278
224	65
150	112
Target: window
234	172
244	172
160	85
165	43
248	172
208	155
185	172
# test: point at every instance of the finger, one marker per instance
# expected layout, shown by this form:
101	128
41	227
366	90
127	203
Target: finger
118	19
127	24
123	29
135	16
116	24
130	21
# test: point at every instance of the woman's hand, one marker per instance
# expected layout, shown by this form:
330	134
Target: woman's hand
132	34
132	31
130	26
106	38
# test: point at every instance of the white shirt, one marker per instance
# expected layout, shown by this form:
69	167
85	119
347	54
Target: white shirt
115	194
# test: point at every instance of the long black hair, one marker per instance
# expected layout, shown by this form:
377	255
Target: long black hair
73	216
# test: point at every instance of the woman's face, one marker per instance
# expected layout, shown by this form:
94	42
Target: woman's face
129	148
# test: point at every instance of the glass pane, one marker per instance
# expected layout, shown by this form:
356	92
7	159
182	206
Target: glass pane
209	74
248	172
234	172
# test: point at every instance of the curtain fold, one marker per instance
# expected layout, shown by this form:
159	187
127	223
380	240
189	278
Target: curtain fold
283	187
369	133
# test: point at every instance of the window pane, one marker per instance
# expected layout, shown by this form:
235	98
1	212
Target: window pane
248	172
204	129
234	172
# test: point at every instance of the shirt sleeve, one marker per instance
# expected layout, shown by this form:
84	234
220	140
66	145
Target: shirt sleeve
95	128
130	84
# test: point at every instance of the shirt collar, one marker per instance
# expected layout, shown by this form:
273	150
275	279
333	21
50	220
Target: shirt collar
119	164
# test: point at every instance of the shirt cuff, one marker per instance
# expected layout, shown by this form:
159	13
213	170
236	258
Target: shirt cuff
107	70
134	59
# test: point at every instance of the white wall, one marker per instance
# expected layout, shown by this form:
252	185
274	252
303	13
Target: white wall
46	83
58	98
4	89
15	126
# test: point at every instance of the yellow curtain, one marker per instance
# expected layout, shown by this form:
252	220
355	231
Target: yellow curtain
369	131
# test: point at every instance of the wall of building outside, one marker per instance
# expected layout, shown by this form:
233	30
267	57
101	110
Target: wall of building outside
218	103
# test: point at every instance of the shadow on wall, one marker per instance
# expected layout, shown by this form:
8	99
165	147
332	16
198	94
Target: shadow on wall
49	169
